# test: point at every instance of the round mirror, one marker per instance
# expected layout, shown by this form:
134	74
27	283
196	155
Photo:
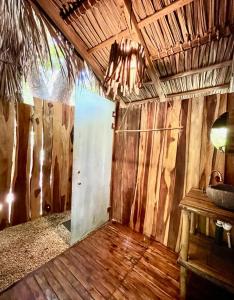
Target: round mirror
222	133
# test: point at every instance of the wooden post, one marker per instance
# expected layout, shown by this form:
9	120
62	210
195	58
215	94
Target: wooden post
207	226
192	223
184	251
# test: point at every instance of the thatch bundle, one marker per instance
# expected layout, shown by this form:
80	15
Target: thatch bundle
24	44
126	68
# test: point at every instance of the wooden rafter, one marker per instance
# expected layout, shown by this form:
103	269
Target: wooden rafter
52	12
207	90
154	17
163	12
153	73
224	64
199	41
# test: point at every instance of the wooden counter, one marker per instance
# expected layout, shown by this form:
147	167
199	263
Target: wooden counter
199	253
196	201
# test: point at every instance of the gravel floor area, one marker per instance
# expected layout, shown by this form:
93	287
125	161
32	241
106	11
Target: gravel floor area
25	247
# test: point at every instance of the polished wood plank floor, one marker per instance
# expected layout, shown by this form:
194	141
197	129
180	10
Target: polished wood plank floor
111	263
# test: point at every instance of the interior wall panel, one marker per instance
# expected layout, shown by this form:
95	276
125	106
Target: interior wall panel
167	164
20	208
35	159
7	119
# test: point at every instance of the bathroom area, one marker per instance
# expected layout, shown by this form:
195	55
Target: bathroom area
178	185
117	149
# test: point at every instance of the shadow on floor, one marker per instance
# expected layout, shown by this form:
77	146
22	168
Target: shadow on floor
198	288
67	225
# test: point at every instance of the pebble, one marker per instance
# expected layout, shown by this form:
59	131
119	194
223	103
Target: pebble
25	247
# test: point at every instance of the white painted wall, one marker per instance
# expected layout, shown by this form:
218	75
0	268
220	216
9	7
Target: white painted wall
92	159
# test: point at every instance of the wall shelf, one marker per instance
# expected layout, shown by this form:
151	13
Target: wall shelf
210	261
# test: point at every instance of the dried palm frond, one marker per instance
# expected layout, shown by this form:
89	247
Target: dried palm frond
126	67
25	34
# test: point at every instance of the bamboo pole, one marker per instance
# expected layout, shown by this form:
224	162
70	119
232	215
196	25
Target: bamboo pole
148	130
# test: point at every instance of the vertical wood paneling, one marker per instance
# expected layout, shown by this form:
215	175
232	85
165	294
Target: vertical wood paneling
51	126
194	141
7	115
180	171
152	173
229	178
20	210
140	194
66	154
168	172
35	188
61	156
47	146
125	157
56	158
70	133
169	164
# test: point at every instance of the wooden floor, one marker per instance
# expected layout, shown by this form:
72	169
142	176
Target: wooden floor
112	263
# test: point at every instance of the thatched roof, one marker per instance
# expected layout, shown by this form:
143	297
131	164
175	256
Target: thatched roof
25	35
189	42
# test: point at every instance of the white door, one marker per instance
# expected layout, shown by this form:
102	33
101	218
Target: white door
92	159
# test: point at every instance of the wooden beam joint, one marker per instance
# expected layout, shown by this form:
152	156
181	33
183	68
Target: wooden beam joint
153	73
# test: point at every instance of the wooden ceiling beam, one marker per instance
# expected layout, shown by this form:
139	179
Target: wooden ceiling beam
208	90
197	42
151	70
223	64
52	11
148	20
163	12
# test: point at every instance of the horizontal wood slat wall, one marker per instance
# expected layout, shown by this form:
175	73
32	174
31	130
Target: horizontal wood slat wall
152	171
35	185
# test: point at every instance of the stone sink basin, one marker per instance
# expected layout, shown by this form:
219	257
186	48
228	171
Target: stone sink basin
222	195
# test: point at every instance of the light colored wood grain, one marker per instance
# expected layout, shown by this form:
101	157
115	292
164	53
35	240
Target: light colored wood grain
47	148
20	159
35	185
7	116
161	167
112	262
197	201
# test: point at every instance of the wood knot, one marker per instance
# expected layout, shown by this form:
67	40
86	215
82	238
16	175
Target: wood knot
37	192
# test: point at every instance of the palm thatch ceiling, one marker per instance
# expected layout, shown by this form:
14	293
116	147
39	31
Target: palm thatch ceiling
25	38
189	43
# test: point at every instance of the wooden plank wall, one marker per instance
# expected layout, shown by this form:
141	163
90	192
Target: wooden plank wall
7	115
152	171
21	171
